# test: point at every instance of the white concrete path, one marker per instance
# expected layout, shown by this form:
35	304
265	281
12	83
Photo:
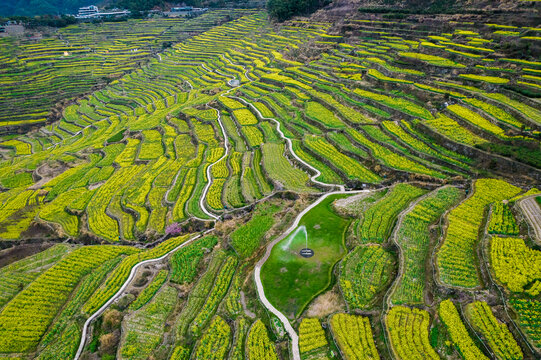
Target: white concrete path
124	286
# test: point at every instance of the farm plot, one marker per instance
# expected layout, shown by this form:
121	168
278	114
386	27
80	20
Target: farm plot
458	332
456	258
238	346
413	237
311	335
353	335
215	341
200	305
364	272
258	344
502	220
280	169
184	263
349	167
23	272
379	219
497	334
408	332
529	317
515	265
145	327
248	237
39	303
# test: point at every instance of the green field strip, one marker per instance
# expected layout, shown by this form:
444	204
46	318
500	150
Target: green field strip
404	137
280	170
249	185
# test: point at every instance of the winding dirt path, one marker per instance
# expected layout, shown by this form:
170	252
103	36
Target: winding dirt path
532	212
202	200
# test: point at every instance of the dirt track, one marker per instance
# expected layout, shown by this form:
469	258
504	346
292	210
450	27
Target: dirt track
532	212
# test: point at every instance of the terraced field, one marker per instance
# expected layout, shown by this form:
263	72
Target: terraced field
76	59
200	156
153	128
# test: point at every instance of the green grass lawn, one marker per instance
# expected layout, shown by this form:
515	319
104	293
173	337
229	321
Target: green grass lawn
292	281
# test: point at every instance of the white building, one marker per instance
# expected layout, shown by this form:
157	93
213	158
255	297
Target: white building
92	12
186	11
87	11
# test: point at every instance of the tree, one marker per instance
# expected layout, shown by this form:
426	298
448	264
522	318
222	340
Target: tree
140	5
284	9
108	342
111	320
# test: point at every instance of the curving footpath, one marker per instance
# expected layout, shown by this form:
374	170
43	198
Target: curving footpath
124	286
203	198
242	66
257	271
290	146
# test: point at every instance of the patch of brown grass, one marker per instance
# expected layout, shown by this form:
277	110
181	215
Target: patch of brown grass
326	304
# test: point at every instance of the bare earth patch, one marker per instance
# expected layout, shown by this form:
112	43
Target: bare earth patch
96	185
351	204
47	172
326	304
